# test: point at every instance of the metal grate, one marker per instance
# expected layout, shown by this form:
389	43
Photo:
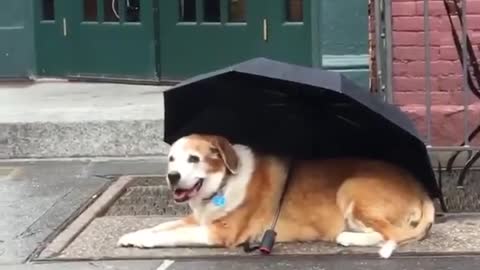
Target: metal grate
150	196
147	196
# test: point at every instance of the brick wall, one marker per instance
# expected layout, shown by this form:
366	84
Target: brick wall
446	73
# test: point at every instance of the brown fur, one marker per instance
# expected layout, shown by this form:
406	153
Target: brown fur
217	151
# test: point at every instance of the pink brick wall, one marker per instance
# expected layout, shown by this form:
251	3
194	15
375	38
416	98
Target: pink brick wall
446	73
409	51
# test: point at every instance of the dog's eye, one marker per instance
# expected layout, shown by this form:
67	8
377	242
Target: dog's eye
193	159
215	152
171	159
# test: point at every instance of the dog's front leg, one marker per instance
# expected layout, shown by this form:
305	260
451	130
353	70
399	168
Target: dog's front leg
190	235
170	225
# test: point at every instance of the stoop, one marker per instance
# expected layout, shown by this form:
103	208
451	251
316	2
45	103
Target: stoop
73	119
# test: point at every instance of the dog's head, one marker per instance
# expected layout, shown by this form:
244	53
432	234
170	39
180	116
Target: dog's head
197	165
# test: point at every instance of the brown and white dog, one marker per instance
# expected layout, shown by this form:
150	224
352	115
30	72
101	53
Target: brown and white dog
348	201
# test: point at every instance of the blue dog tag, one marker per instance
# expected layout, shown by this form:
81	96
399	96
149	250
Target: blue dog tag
218	200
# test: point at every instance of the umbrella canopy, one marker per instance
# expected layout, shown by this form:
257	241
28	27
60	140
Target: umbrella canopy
305	113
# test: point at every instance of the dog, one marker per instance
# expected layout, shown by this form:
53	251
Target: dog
234	192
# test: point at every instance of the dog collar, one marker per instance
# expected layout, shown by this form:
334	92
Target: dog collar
218	198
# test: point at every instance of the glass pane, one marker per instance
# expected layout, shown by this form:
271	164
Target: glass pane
132	10
236	11
90	10
48	10
211	10
187	11
110	11
294	10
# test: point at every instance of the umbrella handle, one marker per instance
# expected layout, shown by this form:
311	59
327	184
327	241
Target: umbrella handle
268	239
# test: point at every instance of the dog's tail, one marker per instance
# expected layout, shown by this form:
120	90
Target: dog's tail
418	228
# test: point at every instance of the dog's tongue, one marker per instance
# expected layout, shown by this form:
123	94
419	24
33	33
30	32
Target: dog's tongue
182	194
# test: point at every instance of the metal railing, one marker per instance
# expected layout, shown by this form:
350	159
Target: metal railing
454	10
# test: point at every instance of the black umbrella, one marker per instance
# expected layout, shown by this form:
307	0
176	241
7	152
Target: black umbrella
302	112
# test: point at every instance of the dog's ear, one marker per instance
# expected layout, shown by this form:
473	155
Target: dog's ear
226	152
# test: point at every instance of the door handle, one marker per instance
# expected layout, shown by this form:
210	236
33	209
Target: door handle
265	30
65	33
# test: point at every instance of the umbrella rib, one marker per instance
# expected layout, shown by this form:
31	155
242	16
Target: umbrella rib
348	121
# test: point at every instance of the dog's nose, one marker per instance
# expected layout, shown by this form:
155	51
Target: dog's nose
173	178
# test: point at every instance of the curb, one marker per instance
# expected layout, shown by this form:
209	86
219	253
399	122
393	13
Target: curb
114	138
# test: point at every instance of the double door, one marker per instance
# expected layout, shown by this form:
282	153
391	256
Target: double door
95	38
168	39
197	36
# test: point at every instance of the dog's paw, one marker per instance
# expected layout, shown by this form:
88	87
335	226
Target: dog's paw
344	239
387	249
140	239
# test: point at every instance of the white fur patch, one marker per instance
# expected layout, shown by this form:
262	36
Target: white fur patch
234	191
387	249
190	172
190	236
359	239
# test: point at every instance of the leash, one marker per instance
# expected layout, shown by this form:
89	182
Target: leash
268	239
475	70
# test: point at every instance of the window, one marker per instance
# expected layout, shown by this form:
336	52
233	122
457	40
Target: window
90	10
211	10
236	10
110	11
132	10
48	10
187	11
294	10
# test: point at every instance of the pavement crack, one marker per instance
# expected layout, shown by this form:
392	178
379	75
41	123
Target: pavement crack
29	231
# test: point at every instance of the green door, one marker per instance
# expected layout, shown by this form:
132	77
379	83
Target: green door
54	57
111	39
198	36
17	59
288	31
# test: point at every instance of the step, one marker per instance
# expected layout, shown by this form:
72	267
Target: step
74	119
58	119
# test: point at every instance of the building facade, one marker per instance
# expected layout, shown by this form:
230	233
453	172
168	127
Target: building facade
169	40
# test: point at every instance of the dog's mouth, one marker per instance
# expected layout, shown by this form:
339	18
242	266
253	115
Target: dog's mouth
182	195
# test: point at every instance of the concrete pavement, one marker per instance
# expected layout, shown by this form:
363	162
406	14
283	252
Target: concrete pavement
37	197
270	263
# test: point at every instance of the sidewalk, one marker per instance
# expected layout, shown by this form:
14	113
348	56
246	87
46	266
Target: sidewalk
38	197
270	263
